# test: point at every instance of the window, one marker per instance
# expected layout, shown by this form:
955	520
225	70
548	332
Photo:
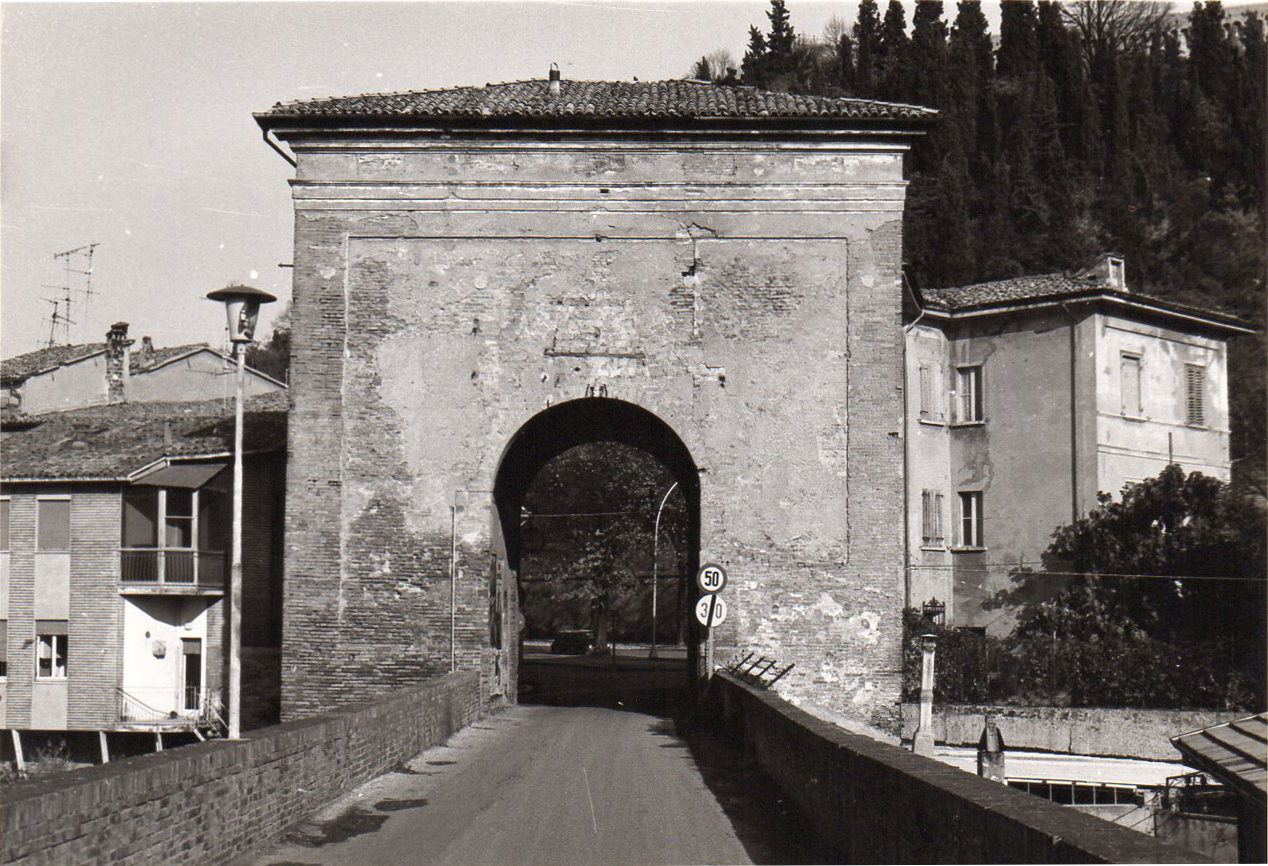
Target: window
929	409
53	522
178	522
50	649
4	648
969	394
1194	395
4	524
971	520
931	518
140	517
1129	365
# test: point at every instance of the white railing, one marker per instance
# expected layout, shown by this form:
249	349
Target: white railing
153	705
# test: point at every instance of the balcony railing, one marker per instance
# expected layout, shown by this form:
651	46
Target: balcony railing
168	706
151	566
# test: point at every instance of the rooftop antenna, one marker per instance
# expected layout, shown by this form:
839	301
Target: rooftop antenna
75	263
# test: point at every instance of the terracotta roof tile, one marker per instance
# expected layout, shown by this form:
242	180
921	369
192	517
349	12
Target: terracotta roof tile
600	99
1036	288
115	440
1002	291
20	367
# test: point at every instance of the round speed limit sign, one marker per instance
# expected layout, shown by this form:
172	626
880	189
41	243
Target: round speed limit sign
711	577
711	611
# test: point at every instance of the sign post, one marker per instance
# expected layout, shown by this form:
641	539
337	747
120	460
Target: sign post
710	609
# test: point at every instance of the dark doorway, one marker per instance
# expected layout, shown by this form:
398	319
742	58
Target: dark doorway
579	493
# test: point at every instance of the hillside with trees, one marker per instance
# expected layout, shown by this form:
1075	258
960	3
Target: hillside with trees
1078	128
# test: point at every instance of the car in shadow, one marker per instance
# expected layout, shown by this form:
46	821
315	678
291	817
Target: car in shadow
575	641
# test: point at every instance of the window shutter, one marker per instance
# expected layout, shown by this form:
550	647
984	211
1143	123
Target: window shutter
1131	385
926	393
1195	380
50	626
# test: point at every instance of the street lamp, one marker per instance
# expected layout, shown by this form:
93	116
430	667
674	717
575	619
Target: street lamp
655	572
242	309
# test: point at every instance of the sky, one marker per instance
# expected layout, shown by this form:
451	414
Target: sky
129	125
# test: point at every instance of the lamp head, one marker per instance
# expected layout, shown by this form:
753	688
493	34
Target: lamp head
242	309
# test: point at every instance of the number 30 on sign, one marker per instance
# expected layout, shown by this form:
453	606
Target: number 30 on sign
711	611
711	577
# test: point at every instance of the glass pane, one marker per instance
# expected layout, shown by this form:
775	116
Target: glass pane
180	532
180	503
212	526
140	517
59	655
44	657
54	524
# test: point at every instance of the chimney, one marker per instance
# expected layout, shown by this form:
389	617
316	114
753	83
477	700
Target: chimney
1109	270
147	353
554	79
117	360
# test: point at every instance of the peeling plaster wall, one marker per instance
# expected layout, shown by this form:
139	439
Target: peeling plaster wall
1132	449
1054	436
446	292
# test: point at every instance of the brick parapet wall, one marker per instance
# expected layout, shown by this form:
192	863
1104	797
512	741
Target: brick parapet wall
875	802
211	802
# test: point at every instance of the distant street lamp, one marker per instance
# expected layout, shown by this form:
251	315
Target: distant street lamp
242	309
655	571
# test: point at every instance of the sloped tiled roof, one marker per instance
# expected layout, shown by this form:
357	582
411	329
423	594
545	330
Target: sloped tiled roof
1003	291
141	361
21	367
113	441
1046	286
1235	752
600	99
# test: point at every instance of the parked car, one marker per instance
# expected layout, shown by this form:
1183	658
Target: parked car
576	641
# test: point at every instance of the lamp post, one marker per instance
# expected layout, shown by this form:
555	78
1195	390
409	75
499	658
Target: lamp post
655	570
242	309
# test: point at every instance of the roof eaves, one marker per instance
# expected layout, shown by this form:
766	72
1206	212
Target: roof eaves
1206	318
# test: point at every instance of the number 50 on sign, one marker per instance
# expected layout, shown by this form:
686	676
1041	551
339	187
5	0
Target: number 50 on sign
711	577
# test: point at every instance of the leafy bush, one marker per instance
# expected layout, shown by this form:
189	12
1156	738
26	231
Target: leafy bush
1126	668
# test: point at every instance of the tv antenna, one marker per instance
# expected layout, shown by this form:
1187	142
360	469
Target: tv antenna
76	264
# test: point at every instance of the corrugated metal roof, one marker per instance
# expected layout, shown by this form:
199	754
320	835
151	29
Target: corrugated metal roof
598	99
1235	752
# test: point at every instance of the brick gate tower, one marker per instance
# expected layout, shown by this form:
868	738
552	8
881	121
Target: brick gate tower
485	276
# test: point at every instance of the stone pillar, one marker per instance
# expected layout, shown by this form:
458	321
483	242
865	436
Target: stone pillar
990	753
923	743
117	362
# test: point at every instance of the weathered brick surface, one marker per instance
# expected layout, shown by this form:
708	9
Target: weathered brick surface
211	802
873	802
448	290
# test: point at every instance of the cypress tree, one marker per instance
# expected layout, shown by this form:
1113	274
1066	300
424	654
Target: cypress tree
867	34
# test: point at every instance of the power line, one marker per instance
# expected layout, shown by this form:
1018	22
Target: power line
984	569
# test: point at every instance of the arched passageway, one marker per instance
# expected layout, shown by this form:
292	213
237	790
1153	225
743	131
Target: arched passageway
594	559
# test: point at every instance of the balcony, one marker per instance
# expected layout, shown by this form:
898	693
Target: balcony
168	708
171	571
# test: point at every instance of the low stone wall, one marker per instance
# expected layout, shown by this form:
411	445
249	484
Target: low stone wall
213	801
873	802
1107	731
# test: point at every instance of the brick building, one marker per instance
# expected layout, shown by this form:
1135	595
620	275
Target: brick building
1026	398
60	378
485	276
114	540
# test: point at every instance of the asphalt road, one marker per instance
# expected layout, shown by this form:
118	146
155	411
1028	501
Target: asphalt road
542	785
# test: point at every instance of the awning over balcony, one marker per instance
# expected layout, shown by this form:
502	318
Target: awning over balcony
187	475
